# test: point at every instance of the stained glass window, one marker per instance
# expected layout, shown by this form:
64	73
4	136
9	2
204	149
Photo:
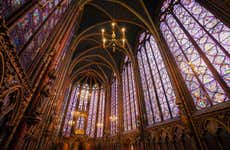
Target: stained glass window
91	113
101	114
158	92
86	111
200	45
91	125
82	108
8	7
114	108
33	29
129	97
71	108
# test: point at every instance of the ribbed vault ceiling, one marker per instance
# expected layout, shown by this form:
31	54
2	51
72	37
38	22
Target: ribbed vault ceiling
89	59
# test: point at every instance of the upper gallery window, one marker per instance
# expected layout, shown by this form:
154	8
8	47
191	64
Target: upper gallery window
86	111
129	97
158	92
200	45
32	30
114	107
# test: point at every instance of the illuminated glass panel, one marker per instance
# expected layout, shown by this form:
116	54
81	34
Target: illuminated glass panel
124	98
8	7
82	107
114	108
71	108
200	44
160	100
92	113
33	29
129	97
93	102
86	111
101	114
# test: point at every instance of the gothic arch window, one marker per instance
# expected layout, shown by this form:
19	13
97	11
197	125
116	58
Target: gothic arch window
129	97
114	107
91	125
96	112
92	110
8	7
158	92
86	111
69	116
82	108
32	30
101	114
200	45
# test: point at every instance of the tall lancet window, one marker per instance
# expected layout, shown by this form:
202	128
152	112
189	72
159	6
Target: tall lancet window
8	7
114	108
32	30
91	123
82	108
158	92
129	97
101	113
71	108
86	111
200	44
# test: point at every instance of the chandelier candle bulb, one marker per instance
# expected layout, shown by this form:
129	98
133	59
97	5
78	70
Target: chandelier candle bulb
104	40
113	24
103	33
123	33
123	42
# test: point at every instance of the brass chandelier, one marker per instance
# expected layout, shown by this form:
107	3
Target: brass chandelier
111	39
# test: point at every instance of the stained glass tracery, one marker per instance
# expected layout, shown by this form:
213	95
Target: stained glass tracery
158	92
71	108
8	7
86	111
200	45
101	112
114	107
32	30
130	110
